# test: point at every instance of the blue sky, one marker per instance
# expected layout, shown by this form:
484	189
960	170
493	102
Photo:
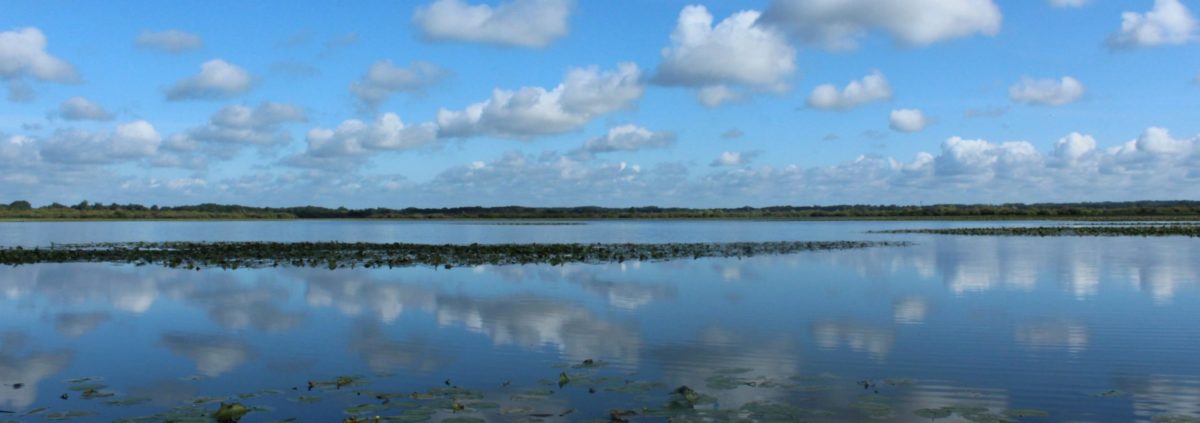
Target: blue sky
454	102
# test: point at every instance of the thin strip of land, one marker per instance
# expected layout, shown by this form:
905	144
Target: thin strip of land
1100	211
334	255
1043	231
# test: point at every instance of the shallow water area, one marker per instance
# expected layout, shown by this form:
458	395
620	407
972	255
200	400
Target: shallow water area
972	328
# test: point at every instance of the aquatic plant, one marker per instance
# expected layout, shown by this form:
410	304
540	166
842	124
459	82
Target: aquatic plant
334	255
1188	230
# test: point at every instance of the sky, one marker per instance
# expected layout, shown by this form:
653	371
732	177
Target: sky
442	103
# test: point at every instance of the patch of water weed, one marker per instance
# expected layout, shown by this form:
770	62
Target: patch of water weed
1188	230
1175	418
1026	412
68	415
334	255
934	413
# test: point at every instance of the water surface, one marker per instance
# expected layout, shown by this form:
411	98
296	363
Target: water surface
1087	329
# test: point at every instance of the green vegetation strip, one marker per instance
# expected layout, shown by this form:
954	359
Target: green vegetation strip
1089	230
1108	211
333	255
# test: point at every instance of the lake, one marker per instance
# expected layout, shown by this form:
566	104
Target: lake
1083	329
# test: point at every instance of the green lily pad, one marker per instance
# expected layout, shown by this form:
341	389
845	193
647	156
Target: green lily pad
230	413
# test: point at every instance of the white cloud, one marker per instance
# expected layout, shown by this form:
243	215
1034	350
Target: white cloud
354	137
517	23
871	88
169	41
1169	22
80	108
842	24
628	138
23	54
532	111
384	79
129	141
714	95
217	79
1047	92
1069	3
735	51
908	120
243	125
734	158
1074	147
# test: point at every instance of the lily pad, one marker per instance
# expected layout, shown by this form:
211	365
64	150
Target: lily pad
230	413
67	415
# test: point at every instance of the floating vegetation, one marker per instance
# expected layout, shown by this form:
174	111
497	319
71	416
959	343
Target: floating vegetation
1025	412
1188	230
934	413
333	255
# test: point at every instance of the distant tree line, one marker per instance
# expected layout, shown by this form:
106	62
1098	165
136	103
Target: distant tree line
1188	210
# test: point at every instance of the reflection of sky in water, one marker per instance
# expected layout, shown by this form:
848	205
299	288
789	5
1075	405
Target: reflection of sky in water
997	322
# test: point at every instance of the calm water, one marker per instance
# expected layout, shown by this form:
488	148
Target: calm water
1087	329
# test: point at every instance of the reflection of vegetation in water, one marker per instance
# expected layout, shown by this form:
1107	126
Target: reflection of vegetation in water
1189	230
335	255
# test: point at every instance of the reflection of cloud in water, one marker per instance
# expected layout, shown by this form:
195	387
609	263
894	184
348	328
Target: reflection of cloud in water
1162	394
213	354
531	322
29	369
236	305
859	337
75	324
1157	266
67	284
354	293
383	355
620	294
772	356
1057	334
167	392
910	310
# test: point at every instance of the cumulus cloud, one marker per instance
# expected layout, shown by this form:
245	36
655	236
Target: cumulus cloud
129	141
354	137
217	79
80	108
735	51
871	88
23	54
1047	92
628	138
908	120
734	158
515	23
1069	3
243	125
384	79
1169	22
1074	148
842	24
169	41
583	95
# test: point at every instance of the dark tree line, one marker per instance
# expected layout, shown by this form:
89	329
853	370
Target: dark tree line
1097	210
